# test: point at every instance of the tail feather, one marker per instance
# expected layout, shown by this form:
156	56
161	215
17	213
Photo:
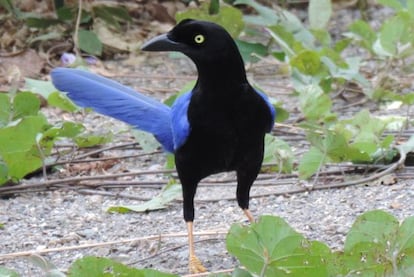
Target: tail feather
115	100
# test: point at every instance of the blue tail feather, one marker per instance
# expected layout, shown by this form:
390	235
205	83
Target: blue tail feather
115	100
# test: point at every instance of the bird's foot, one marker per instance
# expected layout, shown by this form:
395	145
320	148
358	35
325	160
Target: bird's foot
195	265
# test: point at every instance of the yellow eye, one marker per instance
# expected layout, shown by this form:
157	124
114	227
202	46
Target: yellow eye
199	39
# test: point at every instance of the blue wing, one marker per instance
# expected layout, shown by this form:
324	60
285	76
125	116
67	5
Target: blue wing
115	100
271	109
179	120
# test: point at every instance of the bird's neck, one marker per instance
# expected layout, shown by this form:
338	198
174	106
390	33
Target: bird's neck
226	73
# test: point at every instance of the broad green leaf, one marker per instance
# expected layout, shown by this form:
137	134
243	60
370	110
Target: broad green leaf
159	202
375	227
5	109
186	88
410	6
307	62
279	152
48	268
6	272
89	140
52	35
396	32
112	15
214	7
146	140
43	88
319	12
271	247
395	4
378	246
335	146
266	16
314	103
408	146
89	42
251	51
228	17
238	272
25	104
311	162
364	33
65	13
66	129
61	101
18	145
41	23
4	174
8	5
103	267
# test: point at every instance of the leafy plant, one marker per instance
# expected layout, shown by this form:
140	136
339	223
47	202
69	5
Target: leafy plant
376	245
99	267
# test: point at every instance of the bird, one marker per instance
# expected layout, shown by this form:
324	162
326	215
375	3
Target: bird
218	126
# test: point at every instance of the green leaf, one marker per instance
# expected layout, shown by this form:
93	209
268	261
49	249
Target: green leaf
408	146
314	104
186	88
89	42
25	104
271	247
53	35
308	62
103	267
320	12
48	268
41	23
251	51
395	32
395	4
146	140
5	109
112	15
214	7
4	175
92	140
377	245
238	272
266	16
8	5
228	17
311	162
65	13
279	152
43	88
61	101
18	145
410	6
5	272
364	33
376	227
159	202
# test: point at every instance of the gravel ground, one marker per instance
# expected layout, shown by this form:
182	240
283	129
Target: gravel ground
65	217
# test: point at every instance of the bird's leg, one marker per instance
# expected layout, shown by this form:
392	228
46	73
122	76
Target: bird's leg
248	215
194	263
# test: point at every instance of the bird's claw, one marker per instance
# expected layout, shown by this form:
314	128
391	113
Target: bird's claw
195	265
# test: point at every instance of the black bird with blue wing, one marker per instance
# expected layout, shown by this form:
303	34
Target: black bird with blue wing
218	126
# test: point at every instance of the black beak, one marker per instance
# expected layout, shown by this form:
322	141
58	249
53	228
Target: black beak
162	43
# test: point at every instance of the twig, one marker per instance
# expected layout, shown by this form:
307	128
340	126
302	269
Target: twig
97	151
173	248
76	34
109	243
79	179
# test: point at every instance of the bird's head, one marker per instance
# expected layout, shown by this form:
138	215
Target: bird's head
202	41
